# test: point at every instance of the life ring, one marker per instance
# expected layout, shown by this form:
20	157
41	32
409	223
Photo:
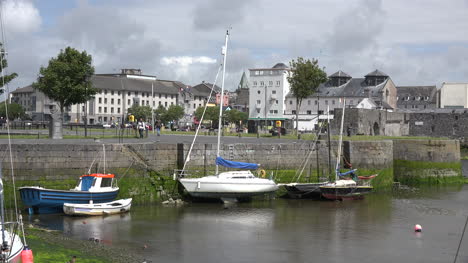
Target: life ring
262	173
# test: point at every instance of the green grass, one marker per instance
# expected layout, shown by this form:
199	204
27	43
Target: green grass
431	173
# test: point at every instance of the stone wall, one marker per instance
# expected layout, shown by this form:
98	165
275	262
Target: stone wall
441	151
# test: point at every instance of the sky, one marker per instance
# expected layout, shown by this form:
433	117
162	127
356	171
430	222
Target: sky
417	42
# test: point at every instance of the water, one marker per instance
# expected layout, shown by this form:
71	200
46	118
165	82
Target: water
376	229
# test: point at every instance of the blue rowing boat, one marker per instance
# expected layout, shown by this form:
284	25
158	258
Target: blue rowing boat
97	188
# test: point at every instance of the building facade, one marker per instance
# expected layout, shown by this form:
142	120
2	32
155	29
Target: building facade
454	95
268	88
416	98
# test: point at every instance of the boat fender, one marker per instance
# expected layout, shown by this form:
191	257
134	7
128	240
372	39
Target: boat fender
27	255
262	173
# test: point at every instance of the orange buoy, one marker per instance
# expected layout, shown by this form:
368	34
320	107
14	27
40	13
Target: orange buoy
27	255
417	228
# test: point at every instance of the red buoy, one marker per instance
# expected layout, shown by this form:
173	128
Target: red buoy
417	228
27	255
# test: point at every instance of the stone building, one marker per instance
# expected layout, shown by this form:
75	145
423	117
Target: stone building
240	97
416	98
454	95
376	86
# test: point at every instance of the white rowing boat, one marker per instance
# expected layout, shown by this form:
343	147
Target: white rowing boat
114	207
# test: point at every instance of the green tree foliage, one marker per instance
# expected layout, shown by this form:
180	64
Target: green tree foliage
66	79
15	111
305	78
235	116
160	114
4	64
143	112
211	114
175	112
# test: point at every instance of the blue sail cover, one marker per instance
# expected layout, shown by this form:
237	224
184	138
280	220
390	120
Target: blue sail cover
232	164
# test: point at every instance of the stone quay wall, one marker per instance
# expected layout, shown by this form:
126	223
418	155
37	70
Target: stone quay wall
67	161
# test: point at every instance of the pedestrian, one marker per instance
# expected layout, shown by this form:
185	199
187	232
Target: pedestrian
141	127
158	127
348	131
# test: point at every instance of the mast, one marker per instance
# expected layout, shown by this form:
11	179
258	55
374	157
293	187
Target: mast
340	141
220	121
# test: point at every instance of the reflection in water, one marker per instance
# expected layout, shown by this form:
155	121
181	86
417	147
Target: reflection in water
376	229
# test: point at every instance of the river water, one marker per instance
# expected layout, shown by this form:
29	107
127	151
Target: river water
376	229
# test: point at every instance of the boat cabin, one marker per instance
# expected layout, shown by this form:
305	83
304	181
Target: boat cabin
95	182
237	175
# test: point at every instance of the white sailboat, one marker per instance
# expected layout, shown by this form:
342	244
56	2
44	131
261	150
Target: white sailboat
231	184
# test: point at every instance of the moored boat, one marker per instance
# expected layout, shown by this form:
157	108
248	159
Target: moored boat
96	187
92	209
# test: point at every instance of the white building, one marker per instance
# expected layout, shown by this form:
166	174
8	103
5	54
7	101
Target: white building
117	93
454	95
268	89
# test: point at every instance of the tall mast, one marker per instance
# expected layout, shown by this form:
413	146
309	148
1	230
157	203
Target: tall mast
340	141
220	121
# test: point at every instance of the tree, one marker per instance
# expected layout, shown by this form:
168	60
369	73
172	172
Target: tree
304	78
143	112
14	111
235	116
211	114
175	112
160	114
4	64
67	79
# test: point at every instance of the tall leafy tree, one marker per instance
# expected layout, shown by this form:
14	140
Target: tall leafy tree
175	113
235	116
14	111
304	78
160	114
143	112
211	114
67	78
4	64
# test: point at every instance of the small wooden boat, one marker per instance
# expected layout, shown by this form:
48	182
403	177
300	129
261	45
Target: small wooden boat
91	209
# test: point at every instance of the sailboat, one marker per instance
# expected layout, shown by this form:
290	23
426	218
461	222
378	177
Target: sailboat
346	184
298	190
239	184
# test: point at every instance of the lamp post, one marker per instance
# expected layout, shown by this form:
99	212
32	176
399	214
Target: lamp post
86	111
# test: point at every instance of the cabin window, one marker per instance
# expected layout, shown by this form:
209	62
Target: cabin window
106	182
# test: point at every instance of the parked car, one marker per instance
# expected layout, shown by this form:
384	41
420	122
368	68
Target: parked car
274	131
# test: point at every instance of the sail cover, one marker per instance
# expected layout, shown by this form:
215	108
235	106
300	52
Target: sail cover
232	164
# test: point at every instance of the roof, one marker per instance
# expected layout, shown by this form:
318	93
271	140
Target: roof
424	91
376	73
355	87
339	73
280	66
26	89
123	83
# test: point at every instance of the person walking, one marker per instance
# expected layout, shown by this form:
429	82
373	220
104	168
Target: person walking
141	127
158	127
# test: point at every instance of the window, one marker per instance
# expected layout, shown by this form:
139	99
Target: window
290	102
128	93
271	111
105	109
118	110
315	102
118	93
105	100
270	83
309	112
308	102
172	96
172	103
128	103
273	92
257	72
293	112
165	104
118	101
258	110
258	91
326	102
82	108
105	91
112	101
259	102
160	103
255	83
278	83
154	103
320	112
100	101
136	93
165	96
112	92
106	182
262	83
159	95
275	111
99	109
112	109
194	105
276	101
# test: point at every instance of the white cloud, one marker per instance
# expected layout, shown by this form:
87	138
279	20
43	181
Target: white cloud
185	61
21	16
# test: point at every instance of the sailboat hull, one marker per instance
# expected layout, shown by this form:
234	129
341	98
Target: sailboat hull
215	187
13	254
304	190
43	200
345	192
